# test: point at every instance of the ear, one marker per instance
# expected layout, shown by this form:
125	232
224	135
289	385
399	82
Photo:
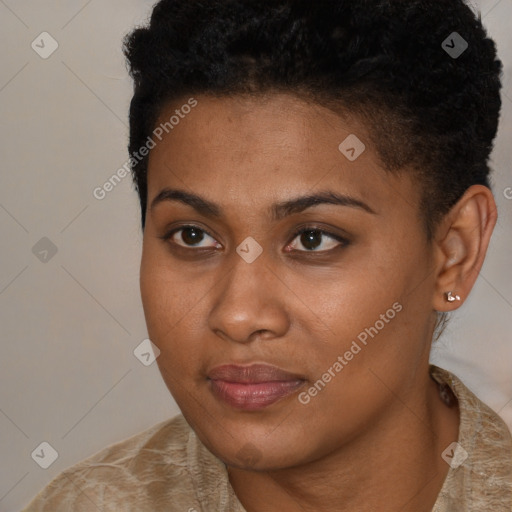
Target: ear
460	245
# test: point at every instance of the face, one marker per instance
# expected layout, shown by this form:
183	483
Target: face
341	313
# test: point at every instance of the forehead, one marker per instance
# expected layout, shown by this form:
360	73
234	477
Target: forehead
280	120
267	148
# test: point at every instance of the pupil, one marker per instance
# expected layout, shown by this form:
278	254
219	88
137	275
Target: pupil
189	237
308	239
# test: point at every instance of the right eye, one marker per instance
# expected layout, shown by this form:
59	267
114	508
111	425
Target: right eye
190	236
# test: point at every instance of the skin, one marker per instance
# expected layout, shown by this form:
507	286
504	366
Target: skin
372	438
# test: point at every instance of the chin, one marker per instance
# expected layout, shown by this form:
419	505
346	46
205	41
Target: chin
254	452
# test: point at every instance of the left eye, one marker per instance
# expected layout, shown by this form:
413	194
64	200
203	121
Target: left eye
310	238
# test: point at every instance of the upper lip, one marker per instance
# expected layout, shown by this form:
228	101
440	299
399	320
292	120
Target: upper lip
251	373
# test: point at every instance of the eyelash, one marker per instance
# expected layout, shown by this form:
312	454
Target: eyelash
343	241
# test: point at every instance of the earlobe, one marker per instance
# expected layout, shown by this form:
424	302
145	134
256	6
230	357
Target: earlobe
461	246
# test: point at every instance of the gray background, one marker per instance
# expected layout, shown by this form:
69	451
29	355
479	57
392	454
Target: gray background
70	324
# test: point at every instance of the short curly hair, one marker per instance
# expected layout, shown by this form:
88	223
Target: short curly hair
387	61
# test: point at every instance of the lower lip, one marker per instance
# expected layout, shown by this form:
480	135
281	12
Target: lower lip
253	396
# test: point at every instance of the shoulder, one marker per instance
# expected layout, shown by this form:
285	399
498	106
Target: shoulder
135	474
474	412
480	477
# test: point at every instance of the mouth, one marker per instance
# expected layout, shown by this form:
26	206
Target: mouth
252	387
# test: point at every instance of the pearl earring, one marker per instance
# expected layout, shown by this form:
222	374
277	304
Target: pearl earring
451	298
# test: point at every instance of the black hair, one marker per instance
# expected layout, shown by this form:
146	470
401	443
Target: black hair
431	102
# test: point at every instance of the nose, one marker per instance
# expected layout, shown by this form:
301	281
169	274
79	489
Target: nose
250	303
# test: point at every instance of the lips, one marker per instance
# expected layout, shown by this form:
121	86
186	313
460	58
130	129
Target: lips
252	387
253	373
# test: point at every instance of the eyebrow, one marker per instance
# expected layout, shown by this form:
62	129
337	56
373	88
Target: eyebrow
277	211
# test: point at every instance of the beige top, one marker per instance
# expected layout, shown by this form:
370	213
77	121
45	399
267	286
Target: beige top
167	468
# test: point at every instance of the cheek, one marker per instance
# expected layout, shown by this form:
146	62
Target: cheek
173	309
348	298
366	315
159	291
381	342
154	293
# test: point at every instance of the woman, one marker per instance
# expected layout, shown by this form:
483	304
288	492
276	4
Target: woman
314	191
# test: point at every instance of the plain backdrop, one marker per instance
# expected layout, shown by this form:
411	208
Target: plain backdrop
70	309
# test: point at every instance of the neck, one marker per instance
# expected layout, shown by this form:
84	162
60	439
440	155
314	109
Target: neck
394	465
